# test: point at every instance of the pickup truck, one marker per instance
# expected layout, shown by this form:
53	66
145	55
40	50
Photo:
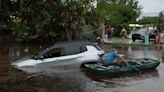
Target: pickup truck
139	35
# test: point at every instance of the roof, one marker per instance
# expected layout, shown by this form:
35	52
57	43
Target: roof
135	25
68	45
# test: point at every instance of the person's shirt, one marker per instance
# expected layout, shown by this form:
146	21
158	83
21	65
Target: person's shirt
110	56
109	30
123	32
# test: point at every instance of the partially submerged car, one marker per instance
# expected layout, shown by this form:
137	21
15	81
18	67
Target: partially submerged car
139	35
63	54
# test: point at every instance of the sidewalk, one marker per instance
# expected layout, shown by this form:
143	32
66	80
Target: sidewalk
117	40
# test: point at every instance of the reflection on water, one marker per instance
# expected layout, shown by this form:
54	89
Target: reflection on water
145	52
128	78
71	79
133	52
126	83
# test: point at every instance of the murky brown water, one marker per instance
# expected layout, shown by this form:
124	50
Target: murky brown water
73	79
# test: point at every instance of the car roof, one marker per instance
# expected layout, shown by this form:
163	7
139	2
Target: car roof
143	30
68	45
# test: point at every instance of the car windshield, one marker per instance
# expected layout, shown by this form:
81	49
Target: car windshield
144	30
38	54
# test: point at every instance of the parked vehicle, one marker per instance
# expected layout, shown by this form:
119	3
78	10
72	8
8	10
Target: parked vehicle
139	35
63	54
121	68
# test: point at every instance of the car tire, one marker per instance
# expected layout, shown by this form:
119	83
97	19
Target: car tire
133	40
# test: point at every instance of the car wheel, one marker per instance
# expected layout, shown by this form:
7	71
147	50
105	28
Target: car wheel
133	40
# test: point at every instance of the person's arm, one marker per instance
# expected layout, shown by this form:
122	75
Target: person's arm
125	32
101	55
122	57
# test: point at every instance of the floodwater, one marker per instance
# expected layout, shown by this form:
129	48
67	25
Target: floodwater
72	79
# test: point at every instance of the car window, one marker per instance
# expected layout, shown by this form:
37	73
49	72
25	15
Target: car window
71	50
151	31
144	30
83	49
56	52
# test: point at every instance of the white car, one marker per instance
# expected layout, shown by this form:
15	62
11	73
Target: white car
64	54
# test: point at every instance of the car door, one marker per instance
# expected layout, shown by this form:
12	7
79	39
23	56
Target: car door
71	56
70	59
64	56
50	56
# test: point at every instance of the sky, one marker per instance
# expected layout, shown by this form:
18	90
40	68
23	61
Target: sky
151	7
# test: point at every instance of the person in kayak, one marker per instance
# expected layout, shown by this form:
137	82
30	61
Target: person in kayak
109	57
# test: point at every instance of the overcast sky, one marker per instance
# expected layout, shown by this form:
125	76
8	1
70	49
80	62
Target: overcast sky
151	7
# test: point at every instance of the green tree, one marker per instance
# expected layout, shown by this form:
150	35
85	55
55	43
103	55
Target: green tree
118	13
4	12
64	19
29	22
4	16
148	20
61	19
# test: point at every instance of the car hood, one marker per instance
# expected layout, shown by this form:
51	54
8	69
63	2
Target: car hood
139	32
22	61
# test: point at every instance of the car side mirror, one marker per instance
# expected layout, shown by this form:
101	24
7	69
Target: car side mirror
35	57
41	57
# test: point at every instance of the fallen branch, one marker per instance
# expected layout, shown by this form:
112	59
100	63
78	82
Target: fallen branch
31	76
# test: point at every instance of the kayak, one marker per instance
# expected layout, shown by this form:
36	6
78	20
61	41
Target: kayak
122	68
